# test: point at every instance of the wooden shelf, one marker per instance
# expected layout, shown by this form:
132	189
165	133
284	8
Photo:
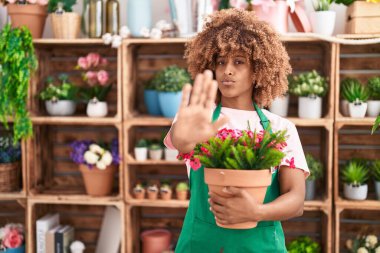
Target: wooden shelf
159	203
75	199
367	121
75	120
154	162
358	36
358	205
12	195
52	41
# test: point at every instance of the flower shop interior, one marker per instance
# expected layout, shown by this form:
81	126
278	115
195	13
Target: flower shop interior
89	89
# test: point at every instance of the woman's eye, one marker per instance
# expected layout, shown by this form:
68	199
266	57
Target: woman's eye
239	62
220	62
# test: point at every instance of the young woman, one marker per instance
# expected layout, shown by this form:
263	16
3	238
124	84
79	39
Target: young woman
251	66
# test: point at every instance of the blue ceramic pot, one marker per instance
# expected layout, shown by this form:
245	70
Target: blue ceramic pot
20	249
151	102
169	103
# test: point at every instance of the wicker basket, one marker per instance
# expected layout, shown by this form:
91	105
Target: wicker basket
9	176
66	25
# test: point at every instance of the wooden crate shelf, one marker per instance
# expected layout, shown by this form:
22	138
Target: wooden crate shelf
358	205
78	120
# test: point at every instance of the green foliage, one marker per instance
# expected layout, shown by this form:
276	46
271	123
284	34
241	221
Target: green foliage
376	124
375	170
308	84
67	5
17	63
155	146
65	91
171	79
315	167
355	173
182	186
353	91
96	92
224	4
373	85
142	143
303	244
322	5
150	85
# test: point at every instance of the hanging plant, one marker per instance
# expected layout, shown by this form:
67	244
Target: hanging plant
17	63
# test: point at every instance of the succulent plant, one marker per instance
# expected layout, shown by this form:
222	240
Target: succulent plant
308	84
373	85
182	186
353	91
171	79
355	173
315	167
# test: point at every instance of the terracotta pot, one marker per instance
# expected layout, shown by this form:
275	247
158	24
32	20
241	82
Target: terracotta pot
155	241
140	194
166	195
98	182
32	16
152	195
182	195
255	182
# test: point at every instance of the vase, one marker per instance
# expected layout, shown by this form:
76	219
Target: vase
139	15
280	106
310	107
323	22
112	16
60	107
373	109
98	182
95	18
169	103
357	110
33	16
20	249
66	25
275	13
310	190
97	109
255	182
155	241
355	192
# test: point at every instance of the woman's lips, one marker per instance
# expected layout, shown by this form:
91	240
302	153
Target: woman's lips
228	82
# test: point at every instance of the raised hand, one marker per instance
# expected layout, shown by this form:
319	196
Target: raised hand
194	123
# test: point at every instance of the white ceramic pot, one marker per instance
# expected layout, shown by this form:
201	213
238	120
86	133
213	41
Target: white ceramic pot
355	192
310	190
309	107
171	154
344	107
280	106
357	110
373	109
60	107
141	154
323	22
155	154
97	109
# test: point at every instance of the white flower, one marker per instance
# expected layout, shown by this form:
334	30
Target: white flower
163	25
95	148
116	41
145	32
107	38
124	32
2	233
371	240
377	249
106	158
156	33
100	165
362	250
90	157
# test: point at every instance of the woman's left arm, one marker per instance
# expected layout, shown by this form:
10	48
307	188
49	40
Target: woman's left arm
242	207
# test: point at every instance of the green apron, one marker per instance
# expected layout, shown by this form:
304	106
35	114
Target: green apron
200	234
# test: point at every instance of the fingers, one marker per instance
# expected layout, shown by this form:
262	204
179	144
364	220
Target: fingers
216	199
201	88
232	190
211	94
207	83
186	90
197	89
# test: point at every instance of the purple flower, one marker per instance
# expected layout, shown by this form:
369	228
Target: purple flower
115	151
78	150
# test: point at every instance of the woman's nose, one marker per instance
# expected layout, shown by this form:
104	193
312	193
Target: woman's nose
229	69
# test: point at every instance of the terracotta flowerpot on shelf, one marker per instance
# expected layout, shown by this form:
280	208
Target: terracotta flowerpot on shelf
166	195
155	240
255	182
32	16
152	195
98	182
139	194
182	195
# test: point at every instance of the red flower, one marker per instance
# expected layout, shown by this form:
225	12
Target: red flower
291	163
13	239
195	164
205	151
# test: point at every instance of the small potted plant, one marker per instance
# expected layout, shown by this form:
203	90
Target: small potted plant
155	151
373	85
65	22
357	95
363	244
151	99
323	19
375	171
310	87
182	190
280	105
303	244
316	172
98	165
355	175
139	191
10	165
169	83
141	150
345	84
165	191
60	99
12	238
98	84
152	191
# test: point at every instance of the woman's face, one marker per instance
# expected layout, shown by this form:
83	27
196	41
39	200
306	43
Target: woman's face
234	75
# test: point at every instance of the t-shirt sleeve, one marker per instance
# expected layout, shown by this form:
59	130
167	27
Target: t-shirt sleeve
295	157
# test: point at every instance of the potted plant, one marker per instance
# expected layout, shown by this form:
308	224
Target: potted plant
17	64
169	83
151	99
139	191
98	165
65	22
376	124
280	105
10	165
357	95
152	191
141	150
363	244
303	244
166	191
316	172
375	171
98	81
59	100
12	238
323	19
182	190
373	85
310	87
345	84
355	176
29	13
155	151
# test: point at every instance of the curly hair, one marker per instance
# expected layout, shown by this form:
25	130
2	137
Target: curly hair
233	30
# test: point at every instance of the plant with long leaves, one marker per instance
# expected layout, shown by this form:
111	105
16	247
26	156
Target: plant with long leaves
375	170
315	167
353	91
376	124
355	173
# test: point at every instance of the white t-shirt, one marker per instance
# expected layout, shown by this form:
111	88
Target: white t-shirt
295	157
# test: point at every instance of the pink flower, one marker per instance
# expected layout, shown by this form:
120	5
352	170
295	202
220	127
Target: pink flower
103	77
13	239
291	163
93	59
83	62
205	151
42	2
91	77
103	62
195	164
